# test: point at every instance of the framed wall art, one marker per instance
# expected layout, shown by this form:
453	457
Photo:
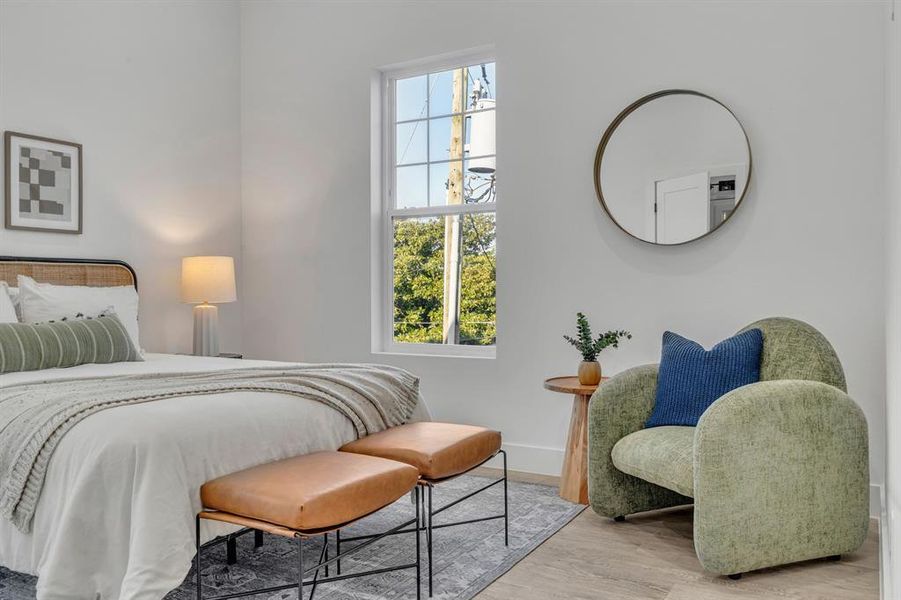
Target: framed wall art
43	184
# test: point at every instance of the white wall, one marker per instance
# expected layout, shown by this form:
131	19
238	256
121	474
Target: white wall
806	79
154	91
151	89
891	522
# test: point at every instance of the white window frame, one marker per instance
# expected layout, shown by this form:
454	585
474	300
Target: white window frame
383	211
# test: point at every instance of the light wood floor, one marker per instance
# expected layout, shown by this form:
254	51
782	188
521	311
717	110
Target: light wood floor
651	557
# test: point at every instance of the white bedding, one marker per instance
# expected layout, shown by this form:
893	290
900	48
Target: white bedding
116	515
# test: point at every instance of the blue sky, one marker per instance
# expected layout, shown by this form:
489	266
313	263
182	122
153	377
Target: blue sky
411	93
427	140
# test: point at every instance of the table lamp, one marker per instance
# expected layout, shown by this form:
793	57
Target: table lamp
207	281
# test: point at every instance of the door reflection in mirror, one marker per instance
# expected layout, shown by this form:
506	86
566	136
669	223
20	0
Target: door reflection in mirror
672	167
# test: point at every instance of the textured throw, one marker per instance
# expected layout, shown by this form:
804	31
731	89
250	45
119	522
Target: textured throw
691	378
64	343
34	417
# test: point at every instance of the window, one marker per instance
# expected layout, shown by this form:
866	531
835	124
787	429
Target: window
438	204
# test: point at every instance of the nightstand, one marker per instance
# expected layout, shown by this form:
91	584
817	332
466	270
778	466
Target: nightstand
574	478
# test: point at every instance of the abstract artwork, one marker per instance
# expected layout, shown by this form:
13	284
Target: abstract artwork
43	184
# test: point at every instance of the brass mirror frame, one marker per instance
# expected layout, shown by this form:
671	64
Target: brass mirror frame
599	156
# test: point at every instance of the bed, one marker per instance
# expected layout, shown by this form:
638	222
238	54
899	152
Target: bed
115	517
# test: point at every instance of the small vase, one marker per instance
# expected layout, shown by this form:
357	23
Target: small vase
589	372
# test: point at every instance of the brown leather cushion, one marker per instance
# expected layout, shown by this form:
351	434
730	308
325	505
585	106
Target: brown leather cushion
314	491
438	450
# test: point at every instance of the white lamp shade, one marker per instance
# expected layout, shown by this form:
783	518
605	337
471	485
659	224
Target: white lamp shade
208	280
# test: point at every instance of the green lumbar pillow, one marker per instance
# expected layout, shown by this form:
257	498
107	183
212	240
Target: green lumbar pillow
65	343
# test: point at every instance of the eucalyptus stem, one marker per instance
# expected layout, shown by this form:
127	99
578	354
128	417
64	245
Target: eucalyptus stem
589	346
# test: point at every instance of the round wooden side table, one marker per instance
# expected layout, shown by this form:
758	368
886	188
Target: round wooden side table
574	477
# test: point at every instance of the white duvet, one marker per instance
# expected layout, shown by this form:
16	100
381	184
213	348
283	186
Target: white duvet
116	515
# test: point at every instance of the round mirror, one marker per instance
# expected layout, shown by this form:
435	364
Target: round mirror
672	167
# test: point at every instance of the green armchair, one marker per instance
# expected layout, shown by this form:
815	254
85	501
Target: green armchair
777	470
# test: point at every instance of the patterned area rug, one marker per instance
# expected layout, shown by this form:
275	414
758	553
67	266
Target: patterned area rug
466	558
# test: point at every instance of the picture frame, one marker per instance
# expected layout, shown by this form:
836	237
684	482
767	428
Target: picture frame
43	184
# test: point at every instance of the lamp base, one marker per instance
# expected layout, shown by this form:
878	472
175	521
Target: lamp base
206	330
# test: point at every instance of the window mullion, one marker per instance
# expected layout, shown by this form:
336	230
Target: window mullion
388	227
442	211
446	115
446	160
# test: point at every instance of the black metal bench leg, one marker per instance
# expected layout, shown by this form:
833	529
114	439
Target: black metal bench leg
338	550
323	553
418	533
257	538
429	539
300	566
231	550
506	514
197	557
325	550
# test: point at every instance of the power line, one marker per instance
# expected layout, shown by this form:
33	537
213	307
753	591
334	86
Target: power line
421	113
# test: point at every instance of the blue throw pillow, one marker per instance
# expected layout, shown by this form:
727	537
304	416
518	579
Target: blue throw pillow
690	378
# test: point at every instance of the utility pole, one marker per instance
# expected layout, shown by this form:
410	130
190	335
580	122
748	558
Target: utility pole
452	223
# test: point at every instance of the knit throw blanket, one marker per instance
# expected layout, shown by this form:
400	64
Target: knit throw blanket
35	416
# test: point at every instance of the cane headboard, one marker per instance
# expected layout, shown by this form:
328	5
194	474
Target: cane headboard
68	271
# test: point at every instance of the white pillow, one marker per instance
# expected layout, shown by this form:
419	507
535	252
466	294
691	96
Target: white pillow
14	296
7	309
47	302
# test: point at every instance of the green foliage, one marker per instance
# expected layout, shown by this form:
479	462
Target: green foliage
419	280
590	347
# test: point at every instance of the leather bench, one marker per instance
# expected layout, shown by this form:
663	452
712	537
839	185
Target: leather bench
308	496
438	451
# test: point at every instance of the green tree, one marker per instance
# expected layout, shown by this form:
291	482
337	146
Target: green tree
419	280
478	307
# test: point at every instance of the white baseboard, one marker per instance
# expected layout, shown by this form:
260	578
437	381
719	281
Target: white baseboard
877	501
885	571
539	460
